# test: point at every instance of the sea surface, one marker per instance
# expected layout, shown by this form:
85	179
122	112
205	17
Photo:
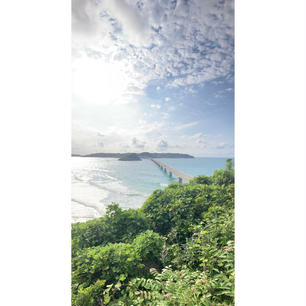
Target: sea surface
97	182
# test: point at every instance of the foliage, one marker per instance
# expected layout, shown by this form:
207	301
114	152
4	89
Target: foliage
91	295
229	164
211	249
202	179
116	226
178	249
180	287
129	157
223	177
173	210
113	263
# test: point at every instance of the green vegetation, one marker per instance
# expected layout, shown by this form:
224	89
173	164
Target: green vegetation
177	249
229	165
129	157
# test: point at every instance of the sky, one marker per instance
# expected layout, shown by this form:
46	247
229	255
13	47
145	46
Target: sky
154	76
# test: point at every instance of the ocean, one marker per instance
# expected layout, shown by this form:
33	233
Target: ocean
97	182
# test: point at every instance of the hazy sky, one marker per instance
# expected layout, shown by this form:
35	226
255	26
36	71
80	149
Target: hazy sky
153	76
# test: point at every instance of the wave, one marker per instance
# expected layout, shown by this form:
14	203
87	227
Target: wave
163	185
89	206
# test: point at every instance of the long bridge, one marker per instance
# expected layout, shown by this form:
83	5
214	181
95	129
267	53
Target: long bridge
182	176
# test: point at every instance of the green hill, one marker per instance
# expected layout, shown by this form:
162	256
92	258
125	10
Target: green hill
129	157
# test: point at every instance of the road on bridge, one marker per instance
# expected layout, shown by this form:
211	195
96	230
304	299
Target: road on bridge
180	175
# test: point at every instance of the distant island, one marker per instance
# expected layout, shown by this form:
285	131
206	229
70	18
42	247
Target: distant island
129	157
139	156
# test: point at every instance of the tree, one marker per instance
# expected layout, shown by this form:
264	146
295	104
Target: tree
229	164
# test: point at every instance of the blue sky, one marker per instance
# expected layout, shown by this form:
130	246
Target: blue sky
153	76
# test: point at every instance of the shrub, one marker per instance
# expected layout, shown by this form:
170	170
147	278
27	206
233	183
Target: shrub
178	249
116	226
170	288
113	263
173	211
202	179
223	177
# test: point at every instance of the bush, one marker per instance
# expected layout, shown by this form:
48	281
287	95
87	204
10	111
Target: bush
173	211
178	249
170	287
113	263
223	177
90	296
202	179
116	226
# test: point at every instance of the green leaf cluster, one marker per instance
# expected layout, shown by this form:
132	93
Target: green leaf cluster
177	249
116	226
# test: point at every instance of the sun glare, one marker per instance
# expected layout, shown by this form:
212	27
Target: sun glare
99	82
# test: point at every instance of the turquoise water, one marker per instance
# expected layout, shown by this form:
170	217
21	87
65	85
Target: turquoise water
97	182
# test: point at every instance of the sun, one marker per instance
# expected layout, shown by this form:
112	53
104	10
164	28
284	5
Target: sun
100	82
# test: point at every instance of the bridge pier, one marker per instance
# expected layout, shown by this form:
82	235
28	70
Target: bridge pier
170	174
180	180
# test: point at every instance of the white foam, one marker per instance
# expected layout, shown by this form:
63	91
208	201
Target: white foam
81	213
93	189
163	185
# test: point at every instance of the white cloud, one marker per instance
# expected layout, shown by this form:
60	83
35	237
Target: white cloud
162	145
155	106
165	115
220	145
200	139
139	144
180	36
198	136
85	18
133	24
85	139
184	126
120	46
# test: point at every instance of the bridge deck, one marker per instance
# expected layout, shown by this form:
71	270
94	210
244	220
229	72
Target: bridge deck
179	174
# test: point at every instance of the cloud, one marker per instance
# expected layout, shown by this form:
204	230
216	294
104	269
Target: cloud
162	145
123	47
155	106
133	24
165	115
223	93
100	141
165	40
85	18
187	125
200	139
136	143
124	146
220	146
85	139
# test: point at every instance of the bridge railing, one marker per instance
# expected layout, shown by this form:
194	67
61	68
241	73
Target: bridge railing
180	175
